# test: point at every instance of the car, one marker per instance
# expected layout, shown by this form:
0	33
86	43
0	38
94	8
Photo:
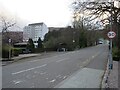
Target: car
100	42
61	49
26	51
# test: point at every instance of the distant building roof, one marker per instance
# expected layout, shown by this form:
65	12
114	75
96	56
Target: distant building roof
36	24
55	28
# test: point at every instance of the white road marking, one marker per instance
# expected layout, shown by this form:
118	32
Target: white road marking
58	76
62	60
52	81
43	73
29	69
93	56
84	62
33	61
36	72
46	78
17	82
64	77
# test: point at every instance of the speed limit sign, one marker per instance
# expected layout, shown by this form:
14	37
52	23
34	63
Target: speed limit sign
111	34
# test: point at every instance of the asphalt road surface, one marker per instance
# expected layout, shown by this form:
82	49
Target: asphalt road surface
49	70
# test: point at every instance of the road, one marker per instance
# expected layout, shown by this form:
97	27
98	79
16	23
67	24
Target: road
48	71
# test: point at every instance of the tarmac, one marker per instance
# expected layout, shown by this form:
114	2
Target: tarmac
110	79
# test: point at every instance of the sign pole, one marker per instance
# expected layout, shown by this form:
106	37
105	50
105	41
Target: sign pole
9	49
110	55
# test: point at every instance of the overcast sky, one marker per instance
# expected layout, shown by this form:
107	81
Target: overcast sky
56	13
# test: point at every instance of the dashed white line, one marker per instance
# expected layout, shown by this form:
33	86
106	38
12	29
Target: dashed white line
29	69
17	82
43	73
93	56
52	81
84	62
64	77
62	60
34	61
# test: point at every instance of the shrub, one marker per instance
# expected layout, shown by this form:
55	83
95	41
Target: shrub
16	51
116	54
5	51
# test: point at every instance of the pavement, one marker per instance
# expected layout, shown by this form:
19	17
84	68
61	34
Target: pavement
21	56
111	79
113	76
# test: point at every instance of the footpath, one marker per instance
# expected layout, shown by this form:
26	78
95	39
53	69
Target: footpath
14	59
111	80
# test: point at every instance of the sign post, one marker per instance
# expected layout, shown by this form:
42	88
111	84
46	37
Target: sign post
111	35
9	49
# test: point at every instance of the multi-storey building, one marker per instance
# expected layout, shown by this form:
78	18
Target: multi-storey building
34	31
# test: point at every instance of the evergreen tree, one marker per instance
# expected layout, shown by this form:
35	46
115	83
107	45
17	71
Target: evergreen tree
40	45
30	45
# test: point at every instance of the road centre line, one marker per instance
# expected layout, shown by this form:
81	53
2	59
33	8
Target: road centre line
34	60
62	60
28	69
46	58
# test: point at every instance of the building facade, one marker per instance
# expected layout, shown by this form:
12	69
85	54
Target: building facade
34	31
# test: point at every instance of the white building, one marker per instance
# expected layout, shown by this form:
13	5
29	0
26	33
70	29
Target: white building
34	31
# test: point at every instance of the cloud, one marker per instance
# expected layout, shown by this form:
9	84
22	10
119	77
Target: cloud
52	12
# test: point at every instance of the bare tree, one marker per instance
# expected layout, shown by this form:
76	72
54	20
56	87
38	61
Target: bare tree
5	26
99	10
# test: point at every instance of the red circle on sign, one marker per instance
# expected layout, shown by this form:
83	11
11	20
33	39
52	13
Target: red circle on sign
111	34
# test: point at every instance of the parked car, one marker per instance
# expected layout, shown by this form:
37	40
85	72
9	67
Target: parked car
26	51
61	49
100	42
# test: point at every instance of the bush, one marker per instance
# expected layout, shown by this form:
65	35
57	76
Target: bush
16	51
5	51
116	54
38	50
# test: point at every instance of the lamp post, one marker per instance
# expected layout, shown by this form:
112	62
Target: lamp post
9	49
